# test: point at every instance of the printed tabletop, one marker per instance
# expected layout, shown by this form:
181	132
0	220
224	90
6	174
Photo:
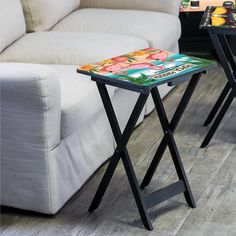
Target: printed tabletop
144	69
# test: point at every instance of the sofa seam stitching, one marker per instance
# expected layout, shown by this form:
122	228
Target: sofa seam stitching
46	146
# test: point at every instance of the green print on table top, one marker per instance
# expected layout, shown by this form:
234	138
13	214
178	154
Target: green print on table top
146	67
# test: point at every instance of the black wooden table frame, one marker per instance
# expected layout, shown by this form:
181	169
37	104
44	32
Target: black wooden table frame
221	44
181	186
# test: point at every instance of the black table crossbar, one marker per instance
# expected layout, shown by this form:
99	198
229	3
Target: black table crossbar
182	186
165	193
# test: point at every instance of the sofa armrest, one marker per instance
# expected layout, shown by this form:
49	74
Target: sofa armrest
30	128
166	6
30	104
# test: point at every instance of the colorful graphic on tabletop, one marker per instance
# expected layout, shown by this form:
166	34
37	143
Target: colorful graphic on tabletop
219	17
146	66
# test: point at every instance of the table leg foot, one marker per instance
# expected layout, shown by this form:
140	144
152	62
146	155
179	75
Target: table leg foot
105	182
218	119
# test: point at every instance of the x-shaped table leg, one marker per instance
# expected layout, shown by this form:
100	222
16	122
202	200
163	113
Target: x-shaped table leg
173	125
229	92
143	203
121	152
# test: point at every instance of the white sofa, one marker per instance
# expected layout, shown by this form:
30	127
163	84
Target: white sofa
54	132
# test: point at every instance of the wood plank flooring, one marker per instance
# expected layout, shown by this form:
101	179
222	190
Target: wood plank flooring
211	172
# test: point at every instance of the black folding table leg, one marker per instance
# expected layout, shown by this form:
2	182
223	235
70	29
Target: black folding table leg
226	58
228	62
173	125
121	151
105	182
228	52
218	104
137	192
218	119
172	146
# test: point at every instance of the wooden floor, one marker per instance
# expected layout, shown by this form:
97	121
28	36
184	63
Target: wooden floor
211	172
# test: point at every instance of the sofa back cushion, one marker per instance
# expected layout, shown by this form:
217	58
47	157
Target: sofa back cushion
12	22
41	15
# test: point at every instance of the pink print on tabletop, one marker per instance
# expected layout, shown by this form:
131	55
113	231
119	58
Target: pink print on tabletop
141	66
115	69
162	55
120	59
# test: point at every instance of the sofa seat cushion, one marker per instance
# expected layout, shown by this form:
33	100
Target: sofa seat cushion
12	22
42	15
161	30
73	48
80	100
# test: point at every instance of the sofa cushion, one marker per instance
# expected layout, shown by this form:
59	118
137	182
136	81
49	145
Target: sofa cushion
80	100
69	47
12	22
41	15
159	29
167	6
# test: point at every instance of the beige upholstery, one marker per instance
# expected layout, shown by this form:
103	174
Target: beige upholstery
30	89
71	48
167	6
58	169
159	29
41	15
80	100
12	22
30	128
